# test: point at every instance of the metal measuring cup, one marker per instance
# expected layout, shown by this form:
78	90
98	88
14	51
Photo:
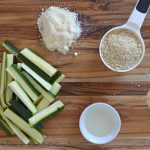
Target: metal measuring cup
134	25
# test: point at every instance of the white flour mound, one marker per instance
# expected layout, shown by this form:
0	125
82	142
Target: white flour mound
59	28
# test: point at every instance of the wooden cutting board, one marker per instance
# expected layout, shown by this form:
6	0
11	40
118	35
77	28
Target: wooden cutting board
87	79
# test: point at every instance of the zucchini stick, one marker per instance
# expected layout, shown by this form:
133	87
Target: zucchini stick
17	89
24	126
55	75
9	93
38	61
55	107
19	133
39	79
3	81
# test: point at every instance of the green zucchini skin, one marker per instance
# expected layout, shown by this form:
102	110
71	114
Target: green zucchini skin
23	112
55	77
12	49
5	127
20	109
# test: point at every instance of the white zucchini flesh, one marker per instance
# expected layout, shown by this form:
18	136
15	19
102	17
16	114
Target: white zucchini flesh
24	126
17	89
41	63
19	66
39	79
9	93
44	103
55	89
45	113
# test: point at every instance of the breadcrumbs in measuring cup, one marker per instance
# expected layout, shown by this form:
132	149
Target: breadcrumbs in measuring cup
122	49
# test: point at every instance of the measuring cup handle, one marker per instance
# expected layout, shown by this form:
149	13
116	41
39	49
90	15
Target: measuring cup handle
139	13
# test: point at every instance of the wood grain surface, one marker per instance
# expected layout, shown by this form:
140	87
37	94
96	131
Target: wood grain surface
87	79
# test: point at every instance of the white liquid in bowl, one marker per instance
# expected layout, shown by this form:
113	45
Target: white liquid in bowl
100	122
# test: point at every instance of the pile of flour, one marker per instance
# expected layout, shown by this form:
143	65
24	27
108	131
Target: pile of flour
59	28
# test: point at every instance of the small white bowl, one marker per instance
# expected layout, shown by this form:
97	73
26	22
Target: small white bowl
97	139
